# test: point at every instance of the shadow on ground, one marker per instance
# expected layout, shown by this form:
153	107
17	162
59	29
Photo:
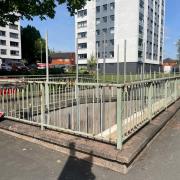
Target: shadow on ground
77	169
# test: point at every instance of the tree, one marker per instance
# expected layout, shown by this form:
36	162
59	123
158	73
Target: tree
31	44
13	10
92	61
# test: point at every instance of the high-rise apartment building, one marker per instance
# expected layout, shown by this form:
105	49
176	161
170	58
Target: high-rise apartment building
103	26
10	42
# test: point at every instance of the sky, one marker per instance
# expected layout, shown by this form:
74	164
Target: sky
61	29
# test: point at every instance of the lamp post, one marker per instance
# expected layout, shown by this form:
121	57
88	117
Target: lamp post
41	49
47	59
144	59
104	61
125	61
77	65
47	79
77	70
117	64
97	63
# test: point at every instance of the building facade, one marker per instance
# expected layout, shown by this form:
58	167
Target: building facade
10	42
63	59
103	27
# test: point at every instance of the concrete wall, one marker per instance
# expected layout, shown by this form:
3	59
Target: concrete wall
132	67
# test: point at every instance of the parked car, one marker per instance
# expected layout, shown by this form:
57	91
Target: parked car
32	67
19	67
6	67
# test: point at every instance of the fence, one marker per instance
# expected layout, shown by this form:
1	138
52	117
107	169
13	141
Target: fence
114	78
109	78
105	112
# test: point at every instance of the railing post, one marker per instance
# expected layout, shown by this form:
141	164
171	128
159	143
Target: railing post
42	107
175	89
78	106
166	94
119	119
150	101
178	85
46	91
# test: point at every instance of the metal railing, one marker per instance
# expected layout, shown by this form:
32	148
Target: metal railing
117	79
105	112
52	78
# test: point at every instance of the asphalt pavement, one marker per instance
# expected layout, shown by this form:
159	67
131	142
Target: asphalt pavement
22	160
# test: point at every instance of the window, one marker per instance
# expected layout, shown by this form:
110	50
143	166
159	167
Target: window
111	54
104	54
3	51
104	30
141	29
14	53
14	44
104	43
82	35
98	9
141	4
98	43
112	17
14	35
82	24
82	45
112	30
105	7
112	6
82	13
112	42
82	56
98	21
2	42
13	26
105	19
97	32
2	33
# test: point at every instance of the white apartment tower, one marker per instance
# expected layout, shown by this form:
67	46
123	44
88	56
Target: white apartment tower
10	42
104	25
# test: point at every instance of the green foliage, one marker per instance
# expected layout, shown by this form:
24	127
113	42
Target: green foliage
34	72
31	44
40	47
12	10
92	61
83	70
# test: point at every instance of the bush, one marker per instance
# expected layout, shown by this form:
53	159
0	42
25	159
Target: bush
33	72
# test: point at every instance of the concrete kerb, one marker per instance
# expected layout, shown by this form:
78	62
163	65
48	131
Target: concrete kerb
103	154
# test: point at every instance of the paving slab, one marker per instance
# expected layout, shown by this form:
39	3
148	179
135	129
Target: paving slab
104	154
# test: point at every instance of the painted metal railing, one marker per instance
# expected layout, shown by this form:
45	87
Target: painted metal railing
105	112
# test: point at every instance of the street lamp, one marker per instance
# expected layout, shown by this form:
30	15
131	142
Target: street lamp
104	61
47	79
125	60
41	49
47	59
117	64
97	62
77	63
